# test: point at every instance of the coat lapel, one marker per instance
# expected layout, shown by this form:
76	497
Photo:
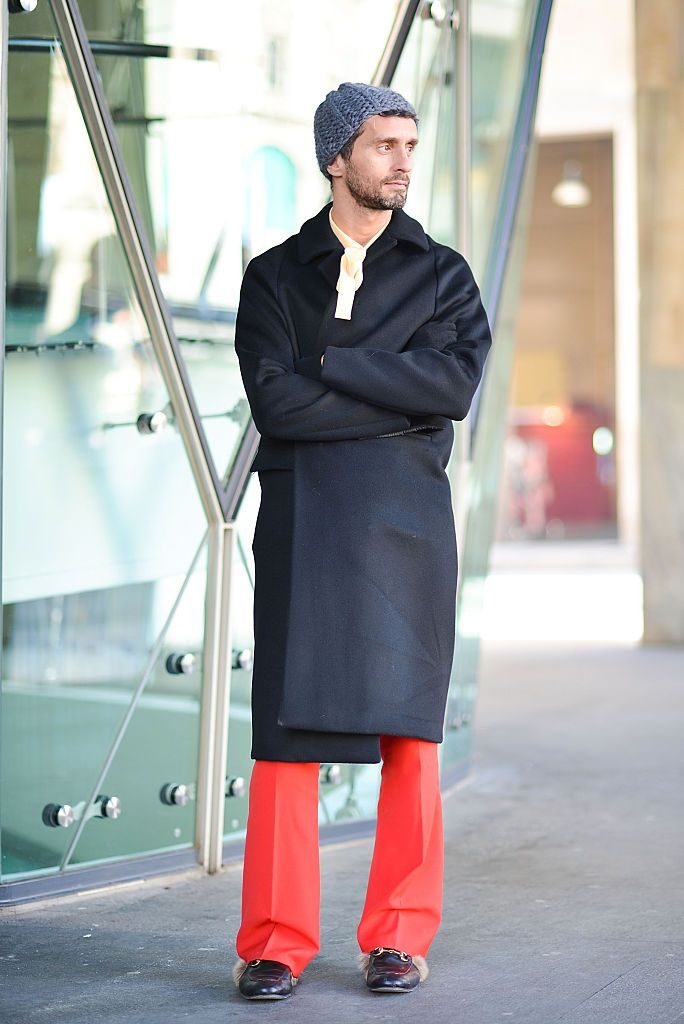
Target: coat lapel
329	265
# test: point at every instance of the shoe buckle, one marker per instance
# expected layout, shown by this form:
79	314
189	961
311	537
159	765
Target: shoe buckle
253	963
388	949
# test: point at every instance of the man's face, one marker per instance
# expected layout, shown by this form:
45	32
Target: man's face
378	174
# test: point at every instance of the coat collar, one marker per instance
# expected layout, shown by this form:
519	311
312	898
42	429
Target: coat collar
316	237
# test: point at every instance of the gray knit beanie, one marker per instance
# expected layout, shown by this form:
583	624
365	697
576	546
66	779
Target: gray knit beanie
344	110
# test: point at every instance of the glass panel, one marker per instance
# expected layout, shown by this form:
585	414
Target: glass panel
501	37
153	771
213	105
426	74
483	485
428	70
39	25
101	517
499	48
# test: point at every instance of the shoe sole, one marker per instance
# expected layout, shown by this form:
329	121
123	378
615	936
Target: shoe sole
266	997
391	991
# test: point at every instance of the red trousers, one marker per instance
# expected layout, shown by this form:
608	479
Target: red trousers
281	875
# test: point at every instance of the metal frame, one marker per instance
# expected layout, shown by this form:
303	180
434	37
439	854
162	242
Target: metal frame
112	48
80	879
403	20
214	720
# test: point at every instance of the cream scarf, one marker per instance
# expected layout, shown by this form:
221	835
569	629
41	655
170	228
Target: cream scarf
351	270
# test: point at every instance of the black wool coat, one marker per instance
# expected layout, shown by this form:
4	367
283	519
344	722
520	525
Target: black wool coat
354	546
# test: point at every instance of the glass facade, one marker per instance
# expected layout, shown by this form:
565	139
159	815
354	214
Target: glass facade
501	34
507	174
92	562
114	666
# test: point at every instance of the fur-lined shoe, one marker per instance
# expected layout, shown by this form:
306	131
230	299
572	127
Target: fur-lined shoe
263	979
391	970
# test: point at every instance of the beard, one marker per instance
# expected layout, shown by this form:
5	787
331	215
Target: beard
369	193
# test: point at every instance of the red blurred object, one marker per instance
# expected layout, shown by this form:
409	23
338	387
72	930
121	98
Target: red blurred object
582	481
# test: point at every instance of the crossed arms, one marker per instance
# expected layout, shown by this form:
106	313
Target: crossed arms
360	392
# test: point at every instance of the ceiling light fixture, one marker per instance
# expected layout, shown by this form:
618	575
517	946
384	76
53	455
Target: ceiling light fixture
571	190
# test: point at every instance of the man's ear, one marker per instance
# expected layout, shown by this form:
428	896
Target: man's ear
334	168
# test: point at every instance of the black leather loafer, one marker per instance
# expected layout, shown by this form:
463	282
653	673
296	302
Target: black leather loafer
391	970
265	979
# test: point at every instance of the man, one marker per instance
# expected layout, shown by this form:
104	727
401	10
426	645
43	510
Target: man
359	340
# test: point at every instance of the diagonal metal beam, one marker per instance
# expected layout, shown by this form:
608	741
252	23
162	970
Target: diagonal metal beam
403	20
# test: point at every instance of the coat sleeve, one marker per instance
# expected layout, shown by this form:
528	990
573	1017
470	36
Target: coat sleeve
438	371
285	404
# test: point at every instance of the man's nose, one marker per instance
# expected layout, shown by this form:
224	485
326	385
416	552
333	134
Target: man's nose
403	163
